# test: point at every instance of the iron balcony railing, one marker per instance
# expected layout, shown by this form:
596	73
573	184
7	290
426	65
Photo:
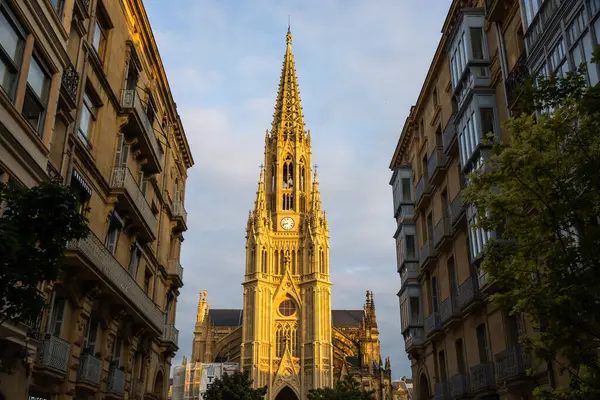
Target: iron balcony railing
116	381
449	136
426	252
122	178
468	292
432	323
459	386
90	369
175	268
515	78
414	337
55	353
457	208
482	377
94	250
435	162
170	334
449	308
70	82
511	363
130	100
441	231
441	391
423	187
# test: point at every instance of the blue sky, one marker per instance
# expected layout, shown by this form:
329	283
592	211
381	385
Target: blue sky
360	67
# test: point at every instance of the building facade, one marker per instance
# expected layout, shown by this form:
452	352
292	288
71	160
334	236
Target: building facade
85	100
460	344
286	334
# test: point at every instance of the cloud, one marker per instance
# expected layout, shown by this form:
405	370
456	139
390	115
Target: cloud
360	67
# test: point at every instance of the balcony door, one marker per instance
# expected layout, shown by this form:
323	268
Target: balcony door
132	76
482	344
435	299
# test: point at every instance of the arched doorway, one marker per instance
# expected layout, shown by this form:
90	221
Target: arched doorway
286	394
423	388
158	385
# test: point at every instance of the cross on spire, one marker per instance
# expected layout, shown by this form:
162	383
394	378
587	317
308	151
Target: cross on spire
262	167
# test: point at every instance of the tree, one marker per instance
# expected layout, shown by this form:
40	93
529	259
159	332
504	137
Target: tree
541	191
35	227
345	389
234	387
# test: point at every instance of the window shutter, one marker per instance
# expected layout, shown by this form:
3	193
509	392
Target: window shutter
119	151
111	237
125	155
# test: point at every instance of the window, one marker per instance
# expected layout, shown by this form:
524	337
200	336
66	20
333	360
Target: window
406	189
442	362
264	260
415	311
458	346
91	333
132	75
116	352
99	38
482	344
411	253
581	53
487	120
115	224
134	259
57	317
147	282
531	8
452	278
478	237
12	42
82	191
287	308
288	173
88	115
151	110
36	95
434	295
58	6
477	42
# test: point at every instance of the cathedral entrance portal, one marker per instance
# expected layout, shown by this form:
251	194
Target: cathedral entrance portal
286	394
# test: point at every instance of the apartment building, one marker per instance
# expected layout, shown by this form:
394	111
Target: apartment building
460	344
85	100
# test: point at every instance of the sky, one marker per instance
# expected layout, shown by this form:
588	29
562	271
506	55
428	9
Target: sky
360	66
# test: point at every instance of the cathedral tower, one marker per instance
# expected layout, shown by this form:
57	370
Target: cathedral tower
287	326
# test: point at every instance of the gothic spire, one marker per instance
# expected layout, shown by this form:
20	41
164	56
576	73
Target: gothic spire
288	120
316	194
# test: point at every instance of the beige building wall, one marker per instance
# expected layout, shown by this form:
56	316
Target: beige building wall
109	128
459	343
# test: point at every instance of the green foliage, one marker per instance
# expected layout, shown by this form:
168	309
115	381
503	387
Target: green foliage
35	226
234	387
542	192
345	389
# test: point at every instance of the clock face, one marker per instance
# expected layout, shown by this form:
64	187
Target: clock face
287	223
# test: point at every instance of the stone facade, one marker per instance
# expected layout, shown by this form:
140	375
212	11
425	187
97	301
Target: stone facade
89	104
286	335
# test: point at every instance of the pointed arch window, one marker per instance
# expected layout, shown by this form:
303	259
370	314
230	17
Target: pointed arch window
302	177
322	260
288	172
264	260
288	201
252	261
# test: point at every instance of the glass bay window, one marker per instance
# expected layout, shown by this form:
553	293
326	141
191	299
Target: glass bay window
402	189
476	121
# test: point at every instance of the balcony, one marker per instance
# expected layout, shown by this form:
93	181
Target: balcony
139	126
457	209
449	138
406	214
433	324
482	377
511	363
68	87
90	369
414	339
450	310
441	391
427	255
459	386
55	354
436	166
497	10
105	269
175	271
170	335
441	232
409	271
423	192
540	22
515	79
131	201
179	216
116	381
468	294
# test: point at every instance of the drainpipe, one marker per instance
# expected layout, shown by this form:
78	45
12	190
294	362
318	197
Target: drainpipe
503	62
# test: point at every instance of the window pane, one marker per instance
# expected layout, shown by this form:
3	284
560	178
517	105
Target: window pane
588	47
406	189
85	122
10	39
33	111
410	247
97	36
37	79
487	120
477	43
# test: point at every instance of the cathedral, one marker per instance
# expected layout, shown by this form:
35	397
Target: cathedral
286	334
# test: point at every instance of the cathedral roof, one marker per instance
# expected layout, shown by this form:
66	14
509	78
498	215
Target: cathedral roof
347	318
233	317
225	317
